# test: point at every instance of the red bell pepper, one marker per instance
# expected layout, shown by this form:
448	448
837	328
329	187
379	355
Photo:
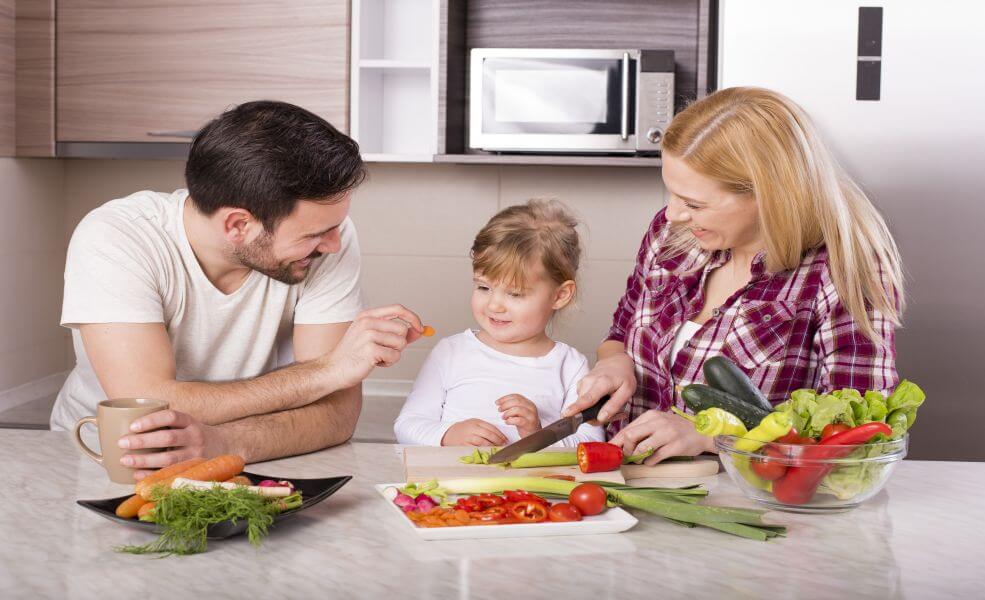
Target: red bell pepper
800	482
594	457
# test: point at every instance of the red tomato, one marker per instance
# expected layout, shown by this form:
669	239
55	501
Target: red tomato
832	429
529	511
523	496
795	438
770	470
589	498
562	512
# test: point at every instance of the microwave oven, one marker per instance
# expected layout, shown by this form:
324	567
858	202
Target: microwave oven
570	101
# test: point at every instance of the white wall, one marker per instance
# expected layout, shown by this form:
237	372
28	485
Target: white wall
416	224
32	256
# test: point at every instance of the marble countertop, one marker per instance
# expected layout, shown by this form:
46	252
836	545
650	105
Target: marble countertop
916	539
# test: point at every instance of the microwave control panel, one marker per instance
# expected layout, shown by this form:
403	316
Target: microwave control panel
654	97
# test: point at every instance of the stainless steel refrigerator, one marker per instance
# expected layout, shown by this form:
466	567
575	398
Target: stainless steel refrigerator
898	89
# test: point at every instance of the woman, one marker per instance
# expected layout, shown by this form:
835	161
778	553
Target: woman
766	253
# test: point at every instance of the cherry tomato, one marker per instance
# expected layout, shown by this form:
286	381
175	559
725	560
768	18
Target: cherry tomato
770	470
562	512
523	496
529	511
589	498
832	429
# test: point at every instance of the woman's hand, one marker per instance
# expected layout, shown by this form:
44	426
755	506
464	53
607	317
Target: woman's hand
519	412
668	433
177	435
613	374
473	432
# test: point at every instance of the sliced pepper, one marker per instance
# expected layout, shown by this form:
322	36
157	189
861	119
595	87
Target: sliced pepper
594	457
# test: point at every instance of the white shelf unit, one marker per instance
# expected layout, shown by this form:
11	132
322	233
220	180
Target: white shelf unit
394	81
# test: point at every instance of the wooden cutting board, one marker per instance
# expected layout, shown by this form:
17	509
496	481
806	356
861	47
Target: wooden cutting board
423	463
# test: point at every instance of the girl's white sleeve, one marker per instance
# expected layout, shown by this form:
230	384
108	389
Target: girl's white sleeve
586	432
419	422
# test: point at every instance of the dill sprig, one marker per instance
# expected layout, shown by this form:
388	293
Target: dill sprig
185	514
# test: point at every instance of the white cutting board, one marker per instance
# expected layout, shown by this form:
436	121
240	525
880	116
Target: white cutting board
424	463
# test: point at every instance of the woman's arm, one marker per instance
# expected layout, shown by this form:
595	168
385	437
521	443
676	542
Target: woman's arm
848	359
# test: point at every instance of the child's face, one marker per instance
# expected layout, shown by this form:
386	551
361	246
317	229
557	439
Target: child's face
512	315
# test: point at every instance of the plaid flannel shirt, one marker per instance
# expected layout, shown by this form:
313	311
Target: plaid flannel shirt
785	330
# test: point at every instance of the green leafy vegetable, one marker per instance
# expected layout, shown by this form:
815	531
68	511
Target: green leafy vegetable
185	514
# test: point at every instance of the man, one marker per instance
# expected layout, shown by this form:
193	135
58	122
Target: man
237	301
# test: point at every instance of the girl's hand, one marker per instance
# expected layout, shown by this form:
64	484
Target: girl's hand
519	412
670	434
473	432
614	375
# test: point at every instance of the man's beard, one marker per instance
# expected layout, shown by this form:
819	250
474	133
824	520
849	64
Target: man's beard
258	255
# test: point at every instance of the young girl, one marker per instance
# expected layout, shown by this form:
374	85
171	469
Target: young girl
508	379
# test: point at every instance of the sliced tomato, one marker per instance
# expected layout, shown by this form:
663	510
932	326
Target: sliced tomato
562	512
529	511
523	496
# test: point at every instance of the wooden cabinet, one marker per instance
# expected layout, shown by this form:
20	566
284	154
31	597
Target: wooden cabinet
148	70
6	77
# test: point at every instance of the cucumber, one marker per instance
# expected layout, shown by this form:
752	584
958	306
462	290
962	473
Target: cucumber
698	397
724	375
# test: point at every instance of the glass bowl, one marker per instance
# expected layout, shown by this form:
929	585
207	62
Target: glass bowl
808	478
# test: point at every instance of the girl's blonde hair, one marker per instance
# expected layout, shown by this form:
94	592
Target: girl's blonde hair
518	237
757	141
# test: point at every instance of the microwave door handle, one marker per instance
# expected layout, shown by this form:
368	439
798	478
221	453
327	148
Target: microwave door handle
624	122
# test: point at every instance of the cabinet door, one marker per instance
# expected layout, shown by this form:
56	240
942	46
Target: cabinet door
130	69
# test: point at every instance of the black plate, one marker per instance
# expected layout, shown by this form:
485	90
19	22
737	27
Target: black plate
312	491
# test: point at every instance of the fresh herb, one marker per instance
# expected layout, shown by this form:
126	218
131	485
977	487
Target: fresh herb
185	515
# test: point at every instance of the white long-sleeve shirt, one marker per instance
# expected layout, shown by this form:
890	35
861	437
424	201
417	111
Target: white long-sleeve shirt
462	378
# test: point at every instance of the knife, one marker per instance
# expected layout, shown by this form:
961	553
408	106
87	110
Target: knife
553	433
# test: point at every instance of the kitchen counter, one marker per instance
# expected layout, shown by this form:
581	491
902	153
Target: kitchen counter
917	539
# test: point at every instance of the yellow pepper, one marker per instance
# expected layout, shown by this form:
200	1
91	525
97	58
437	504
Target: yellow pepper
716	421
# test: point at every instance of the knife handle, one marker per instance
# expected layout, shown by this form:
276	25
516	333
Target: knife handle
592	412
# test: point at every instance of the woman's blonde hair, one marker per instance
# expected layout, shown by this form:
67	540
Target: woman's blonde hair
519	237
757	141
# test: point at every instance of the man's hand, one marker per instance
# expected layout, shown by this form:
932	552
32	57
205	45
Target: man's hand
375	339
186	438
520	412
473	432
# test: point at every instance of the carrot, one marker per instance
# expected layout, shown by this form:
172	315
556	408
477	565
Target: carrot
129	507
240	480
219	468
146	509
428	331
164	476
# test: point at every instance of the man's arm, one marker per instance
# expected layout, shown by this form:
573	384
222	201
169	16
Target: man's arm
136	360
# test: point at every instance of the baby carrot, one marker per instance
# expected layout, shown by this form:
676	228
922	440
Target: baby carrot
164	476
428	331
219	468
129	507
146	510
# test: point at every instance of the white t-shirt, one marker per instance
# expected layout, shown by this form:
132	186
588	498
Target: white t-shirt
129	261
462	378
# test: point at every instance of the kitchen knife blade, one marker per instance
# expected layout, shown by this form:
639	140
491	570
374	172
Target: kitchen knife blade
553	433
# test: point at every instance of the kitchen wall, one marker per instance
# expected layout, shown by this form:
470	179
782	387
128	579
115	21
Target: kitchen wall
32	256
416	224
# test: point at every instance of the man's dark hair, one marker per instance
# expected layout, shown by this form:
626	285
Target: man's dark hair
265	156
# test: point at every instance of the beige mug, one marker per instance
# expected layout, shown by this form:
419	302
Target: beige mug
113	419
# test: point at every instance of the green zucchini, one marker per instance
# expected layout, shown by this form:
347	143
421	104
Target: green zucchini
723	374
698	397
